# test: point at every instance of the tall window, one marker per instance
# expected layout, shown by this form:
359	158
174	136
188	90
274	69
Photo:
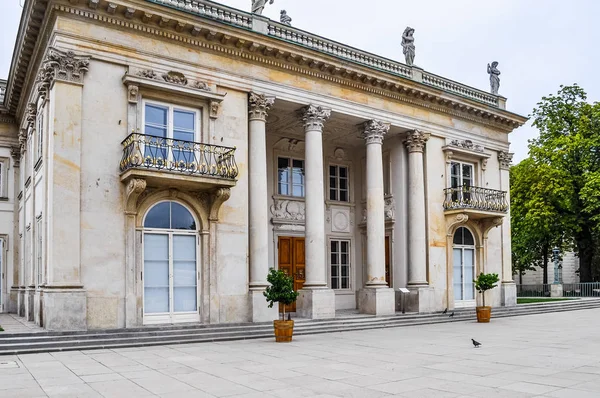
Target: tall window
163	123
40	133
340	264
3	189
38	250
338	183
461	175
2	272
463	264
290	177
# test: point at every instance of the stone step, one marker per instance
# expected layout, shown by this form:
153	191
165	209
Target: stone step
180	334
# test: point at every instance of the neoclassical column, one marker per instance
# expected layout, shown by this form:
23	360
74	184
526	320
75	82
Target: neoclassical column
315	300
376	298
258	108
61	79
374	132
417	228
509	289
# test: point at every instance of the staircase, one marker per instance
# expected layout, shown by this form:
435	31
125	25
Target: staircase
21	343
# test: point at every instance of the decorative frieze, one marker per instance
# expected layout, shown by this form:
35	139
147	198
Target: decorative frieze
259	106
389	210
15	153
288	210
374	131
175	78
63	66
467	144
201	85
148	74
415	140
505	159
314	117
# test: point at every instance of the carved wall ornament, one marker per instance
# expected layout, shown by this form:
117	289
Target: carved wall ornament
133	190
457	219
484	163
374	131
201	85
340	220
60	65
314	117
415	140
288	210
289	145
22	140
467	144
219	196
31	113
505	159
175	78
390	209
148	74
339	154
132	93
214	109
259	106
15	153
449	155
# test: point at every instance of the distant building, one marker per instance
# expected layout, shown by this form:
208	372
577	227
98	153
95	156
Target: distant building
158	157
570	266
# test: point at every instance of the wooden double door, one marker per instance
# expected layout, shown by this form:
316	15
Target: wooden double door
291	261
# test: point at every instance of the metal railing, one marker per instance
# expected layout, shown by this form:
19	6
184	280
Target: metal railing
589	289
186	157
478	198
541	290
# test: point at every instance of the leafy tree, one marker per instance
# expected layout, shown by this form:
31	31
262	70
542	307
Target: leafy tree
281	289
485	282
536	225
568	153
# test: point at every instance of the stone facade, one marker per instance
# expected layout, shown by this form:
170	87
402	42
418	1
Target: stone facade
245	134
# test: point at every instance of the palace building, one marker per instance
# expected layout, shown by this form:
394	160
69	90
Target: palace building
157	157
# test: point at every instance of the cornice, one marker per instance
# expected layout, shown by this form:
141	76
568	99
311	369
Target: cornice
237	41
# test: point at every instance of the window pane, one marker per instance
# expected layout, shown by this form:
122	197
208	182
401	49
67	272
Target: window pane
345	270
467	170
334	258
158	216
181	218
343	183
184	136
343	196
469	274
334	271
283	189
156	115
343	172
454	182
468	237
332	194
297	177
332	182
156	131
283	163
345	283
344	258
334	245
156	273
334	283
457	273
298	164
332	171
455	169
184	273
184	120
298	190
344	246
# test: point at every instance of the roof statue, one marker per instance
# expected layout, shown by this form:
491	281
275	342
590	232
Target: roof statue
408	44
259	5
285	19
494	79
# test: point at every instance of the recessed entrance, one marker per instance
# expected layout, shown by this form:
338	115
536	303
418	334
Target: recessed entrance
291	261
463	265
170	274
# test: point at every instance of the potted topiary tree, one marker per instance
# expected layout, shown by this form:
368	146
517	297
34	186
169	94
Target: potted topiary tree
281	291
483	283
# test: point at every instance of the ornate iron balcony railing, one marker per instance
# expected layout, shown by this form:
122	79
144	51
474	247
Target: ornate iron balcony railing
186	157
477	198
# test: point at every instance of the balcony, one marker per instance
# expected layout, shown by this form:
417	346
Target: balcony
480	202
177	163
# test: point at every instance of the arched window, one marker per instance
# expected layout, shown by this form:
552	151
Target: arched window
463	266
170	275
170	215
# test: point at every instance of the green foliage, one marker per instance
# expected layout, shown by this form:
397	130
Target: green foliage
281	289
556	200
485	282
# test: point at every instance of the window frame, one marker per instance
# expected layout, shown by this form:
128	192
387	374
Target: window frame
3	178
462	163
339	264
290	183
39	127
39	249
337	188
171	107
462	247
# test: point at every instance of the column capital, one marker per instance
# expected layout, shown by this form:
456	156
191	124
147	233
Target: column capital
315	116
505	159
61	65
374	131
415	140
259	106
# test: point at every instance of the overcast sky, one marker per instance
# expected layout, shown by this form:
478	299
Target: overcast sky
539	44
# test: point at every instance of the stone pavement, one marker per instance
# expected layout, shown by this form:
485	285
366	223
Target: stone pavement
12	323
547	355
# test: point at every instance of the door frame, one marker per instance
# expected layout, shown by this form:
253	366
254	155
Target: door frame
172	317
293	255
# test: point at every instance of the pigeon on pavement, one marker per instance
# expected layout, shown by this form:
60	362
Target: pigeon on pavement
477	344
445	311
451	315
